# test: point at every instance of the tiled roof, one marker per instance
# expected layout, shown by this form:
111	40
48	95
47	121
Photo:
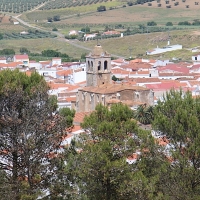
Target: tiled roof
64	72
195	67
112	88
11	64
121	71
80	116
176	68
21	57
145	80
70	99
164	86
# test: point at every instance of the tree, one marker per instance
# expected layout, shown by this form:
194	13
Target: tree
101	8
49	19
102	171
54	29
178	119
86	29
68	115
152	23
144	114
169	24
1	36
30	134
114	78
7	52
24	50
56	18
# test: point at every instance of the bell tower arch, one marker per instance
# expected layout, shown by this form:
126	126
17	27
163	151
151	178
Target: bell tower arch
98	67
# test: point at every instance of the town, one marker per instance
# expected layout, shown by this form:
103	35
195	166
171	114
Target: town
99	100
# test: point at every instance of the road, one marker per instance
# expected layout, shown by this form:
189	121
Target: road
60	37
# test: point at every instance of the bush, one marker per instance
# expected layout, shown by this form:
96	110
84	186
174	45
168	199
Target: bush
186	23
152	23
56	18
54	29
49	19
169	24
101	8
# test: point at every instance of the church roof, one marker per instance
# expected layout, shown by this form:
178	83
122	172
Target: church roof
112	88
98	51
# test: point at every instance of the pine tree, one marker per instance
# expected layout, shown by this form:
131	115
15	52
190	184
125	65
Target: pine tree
30	134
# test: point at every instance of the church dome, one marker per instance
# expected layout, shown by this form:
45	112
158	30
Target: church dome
98	51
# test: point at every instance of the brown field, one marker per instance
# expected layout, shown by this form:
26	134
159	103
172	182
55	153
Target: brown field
6	25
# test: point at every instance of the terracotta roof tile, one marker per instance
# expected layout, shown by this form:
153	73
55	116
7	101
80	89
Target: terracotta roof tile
80	116
112	88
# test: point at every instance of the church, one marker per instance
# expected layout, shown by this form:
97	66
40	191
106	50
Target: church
101	89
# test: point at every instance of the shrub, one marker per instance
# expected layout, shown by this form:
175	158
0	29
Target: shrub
169	24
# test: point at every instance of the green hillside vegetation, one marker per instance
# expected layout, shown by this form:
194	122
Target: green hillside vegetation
38	45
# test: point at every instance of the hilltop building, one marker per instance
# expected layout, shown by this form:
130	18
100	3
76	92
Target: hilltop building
100	89
164	49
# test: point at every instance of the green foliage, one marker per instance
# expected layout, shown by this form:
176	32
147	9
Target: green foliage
53	53
54	29
101	8
102	170
24	50
196	23
56	18
185	23
49	19
53	101
29	133
1	36
144	114
178	119
114	78
7	52
86	29
68	115
15	80
169	24
152	23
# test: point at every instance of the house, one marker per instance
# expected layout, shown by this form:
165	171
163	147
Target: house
89	36
196	58
22	58
164	49
56	61
3	60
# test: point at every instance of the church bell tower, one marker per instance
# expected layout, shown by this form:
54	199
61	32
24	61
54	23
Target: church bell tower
98	67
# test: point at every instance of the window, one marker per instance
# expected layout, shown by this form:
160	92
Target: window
105	65
88	65
99	65
91	66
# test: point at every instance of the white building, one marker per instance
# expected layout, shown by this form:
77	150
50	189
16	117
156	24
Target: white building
164	49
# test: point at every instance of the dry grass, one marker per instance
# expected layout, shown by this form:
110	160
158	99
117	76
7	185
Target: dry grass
38	45
137	45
